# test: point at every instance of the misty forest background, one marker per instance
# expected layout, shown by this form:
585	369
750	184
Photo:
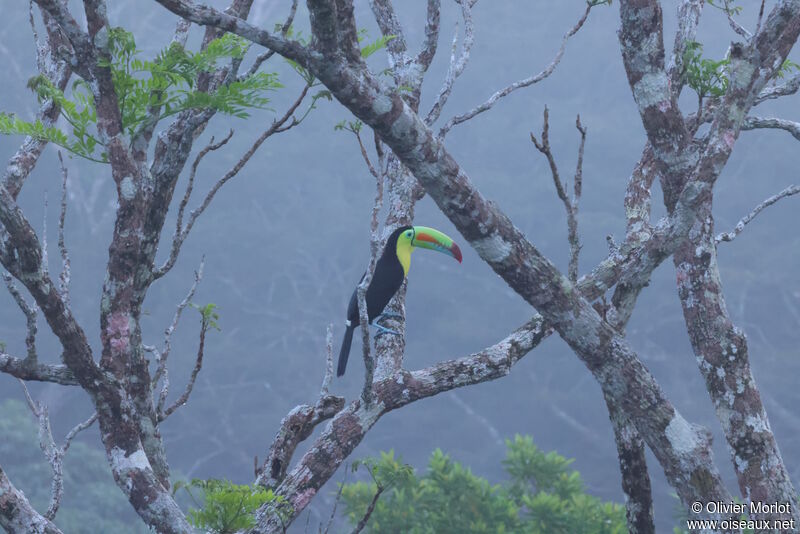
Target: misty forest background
286	241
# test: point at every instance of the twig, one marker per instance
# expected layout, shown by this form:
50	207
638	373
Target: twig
760	17
180	401
326	380
269	53
789	87
64	277
53	453
456	65
571	206
548	70
45	261
361	290
161	357
364	154
371	508
178	235
30	313
336	501
278	126
730	236
738	28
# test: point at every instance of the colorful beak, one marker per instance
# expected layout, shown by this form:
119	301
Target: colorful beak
430	238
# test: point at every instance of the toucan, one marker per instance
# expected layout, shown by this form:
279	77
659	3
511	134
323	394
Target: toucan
390	271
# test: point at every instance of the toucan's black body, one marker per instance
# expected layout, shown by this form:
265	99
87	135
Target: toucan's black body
386	280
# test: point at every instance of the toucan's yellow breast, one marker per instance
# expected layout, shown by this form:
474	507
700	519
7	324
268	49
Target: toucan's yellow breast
404	249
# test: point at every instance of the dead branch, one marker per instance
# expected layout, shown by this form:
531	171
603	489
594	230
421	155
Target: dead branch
457	65
361	291
53	453
570	205
730	236
17	514
278	125
269	53
64	277
371	508
162	356
492	100
31	314
183	399
754	123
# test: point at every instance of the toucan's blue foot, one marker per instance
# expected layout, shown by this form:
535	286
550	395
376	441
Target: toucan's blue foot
383	330
390	315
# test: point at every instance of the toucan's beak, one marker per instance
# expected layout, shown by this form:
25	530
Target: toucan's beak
430	238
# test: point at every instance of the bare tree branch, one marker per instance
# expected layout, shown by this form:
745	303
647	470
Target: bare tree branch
730	236
361	289
371	507
269	53
22	369
431	43
547	71
64	277
53	453
58	72
181	401
349	425
756	123
278	125
457	65
688	17
31	313
162	356
17	514
570	205
789	87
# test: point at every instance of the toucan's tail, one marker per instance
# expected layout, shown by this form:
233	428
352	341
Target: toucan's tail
345	351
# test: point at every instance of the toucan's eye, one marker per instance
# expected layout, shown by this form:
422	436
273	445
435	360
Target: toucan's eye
408	234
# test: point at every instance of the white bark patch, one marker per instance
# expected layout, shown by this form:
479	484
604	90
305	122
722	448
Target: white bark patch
757	423
402	125
739	386
127	189
382	104
123	464
650	90
680	434
493	249
741	463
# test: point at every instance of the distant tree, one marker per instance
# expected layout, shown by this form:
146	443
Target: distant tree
543	496
118	100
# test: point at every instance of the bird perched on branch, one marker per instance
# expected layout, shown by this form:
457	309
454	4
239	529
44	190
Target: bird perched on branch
390	271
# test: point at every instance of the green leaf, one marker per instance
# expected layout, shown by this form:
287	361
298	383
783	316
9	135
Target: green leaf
169	83
376	45
226	507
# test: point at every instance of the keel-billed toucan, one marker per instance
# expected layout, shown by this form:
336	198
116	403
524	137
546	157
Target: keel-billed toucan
390	271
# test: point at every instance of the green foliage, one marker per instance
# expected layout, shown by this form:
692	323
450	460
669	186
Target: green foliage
786	68
226	507
374	46
543	496
706	76
348	126
726	5
169	83
209	315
